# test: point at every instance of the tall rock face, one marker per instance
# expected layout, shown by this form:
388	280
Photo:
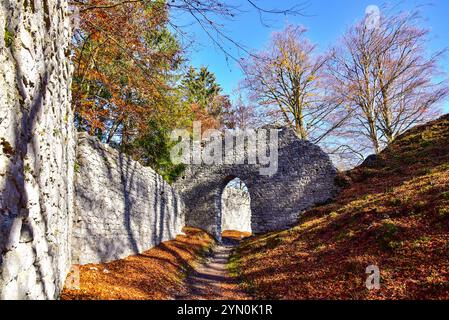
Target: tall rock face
36	148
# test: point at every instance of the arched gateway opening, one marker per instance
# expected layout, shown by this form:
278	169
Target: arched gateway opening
304	176
235	209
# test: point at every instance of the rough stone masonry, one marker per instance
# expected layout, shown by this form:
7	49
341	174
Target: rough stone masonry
236	210
123	208
304	177
37	148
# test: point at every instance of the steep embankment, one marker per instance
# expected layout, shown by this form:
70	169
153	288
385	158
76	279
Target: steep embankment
393	213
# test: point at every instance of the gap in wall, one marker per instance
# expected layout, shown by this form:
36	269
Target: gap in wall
236	210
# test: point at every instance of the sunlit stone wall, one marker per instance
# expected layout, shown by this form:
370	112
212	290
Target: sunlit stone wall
36	148
121	207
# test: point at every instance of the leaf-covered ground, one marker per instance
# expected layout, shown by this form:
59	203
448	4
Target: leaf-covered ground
393	213
212	279
235	235
156	274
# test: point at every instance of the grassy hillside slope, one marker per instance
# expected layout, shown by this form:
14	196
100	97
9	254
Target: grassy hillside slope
393	213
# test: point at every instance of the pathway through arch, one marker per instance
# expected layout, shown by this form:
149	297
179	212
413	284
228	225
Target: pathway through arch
211	280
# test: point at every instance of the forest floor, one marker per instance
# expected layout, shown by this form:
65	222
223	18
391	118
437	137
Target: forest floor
191	267
156	274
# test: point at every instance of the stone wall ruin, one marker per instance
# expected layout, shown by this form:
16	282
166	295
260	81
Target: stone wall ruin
37	148
304	178
236	210
121	207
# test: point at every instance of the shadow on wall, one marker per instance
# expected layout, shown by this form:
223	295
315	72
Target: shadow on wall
34	200
127	179
122	208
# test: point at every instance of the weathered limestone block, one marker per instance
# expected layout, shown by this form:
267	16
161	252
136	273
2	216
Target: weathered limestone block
37	148
121	207
236	210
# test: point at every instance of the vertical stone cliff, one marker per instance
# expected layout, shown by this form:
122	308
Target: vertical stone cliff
36	148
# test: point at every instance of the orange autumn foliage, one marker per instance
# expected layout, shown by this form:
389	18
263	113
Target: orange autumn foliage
152	275
122	56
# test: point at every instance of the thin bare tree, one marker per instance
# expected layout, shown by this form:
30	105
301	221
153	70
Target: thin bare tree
384	78
243	115
286	79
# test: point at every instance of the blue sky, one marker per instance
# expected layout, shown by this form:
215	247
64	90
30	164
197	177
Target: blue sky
326	21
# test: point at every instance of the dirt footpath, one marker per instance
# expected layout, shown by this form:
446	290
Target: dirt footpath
211	279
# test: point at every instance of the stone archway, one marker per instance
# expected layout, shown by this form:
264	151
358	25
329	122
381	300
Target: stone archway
304	178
